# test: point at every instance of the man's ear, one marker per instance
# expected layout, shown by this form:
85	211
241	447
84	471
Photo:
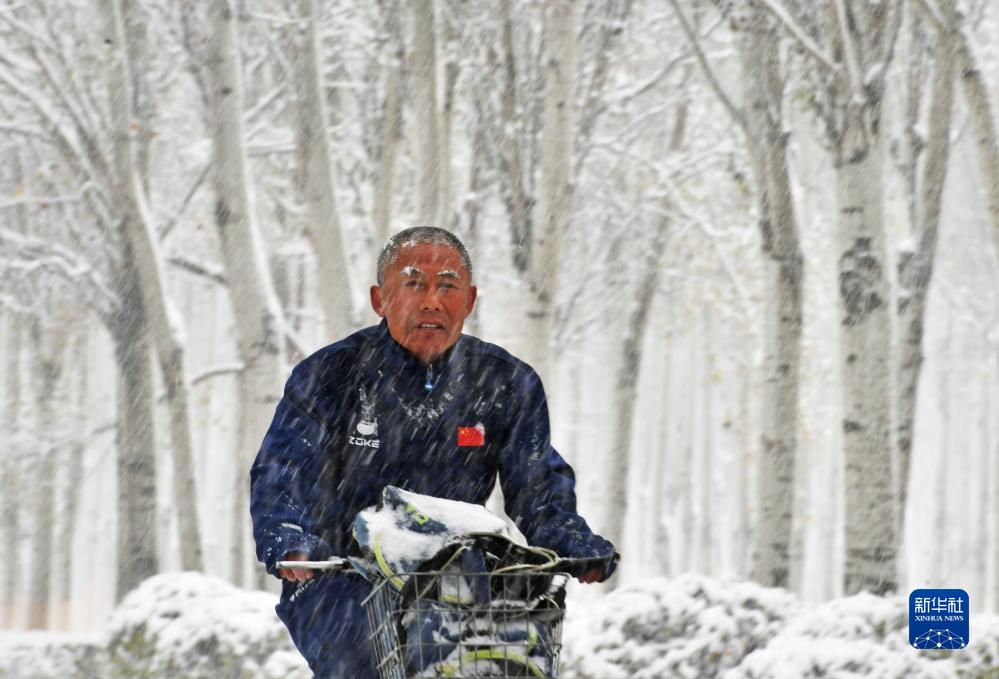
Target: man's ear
472	294
376	300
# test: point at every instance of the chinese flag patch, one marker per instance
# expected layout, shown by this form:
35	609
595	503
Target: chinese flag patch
472	436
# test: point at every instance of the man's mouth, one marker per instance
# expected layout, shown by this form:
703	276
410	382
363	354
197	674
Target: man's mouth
431	326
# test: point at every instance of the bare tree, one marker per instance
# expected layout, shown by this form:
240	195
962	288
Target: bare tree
763	126
259	323
449	21
48	344
323	220
992	454
515	195
12	459
556	166
626	386
10	526
915	265
391	126
864	36
849	47
951	24
72	464
763	74
427	117
137	558
164	320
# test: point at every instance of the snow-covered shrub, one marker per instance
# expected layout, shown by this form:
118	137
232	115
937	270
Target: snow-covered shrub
198	627
51	655
804	657
857	636
980	660
690	627
862	616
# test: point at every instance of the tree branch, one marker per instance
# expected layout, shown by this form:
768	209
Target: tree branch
799	34
34	254
69	148
209	271
168	227
853	70
737	115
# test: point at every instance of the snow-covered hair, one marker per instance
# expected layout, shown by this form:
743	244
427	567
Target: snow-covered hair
414	236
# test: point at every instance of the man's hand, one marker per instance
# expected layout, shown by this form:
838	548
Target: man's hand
296	574
592	575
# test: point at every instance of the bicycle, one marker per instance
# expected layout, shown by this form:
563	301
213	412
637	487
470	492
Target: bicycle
448	621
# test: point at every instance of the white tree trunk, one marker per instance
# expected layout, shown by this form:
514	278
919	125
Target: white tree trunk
864	35
743	526
391	134
782	261
15	393
662	562
514	193
474	203
626	392
707	457
164	321
323	220
992	454
451	72
682	479
47	345
10	526
976	94
915	269
943	478
424	87
143	104
978	536
72	476
556	163
259	324
136	546
866	341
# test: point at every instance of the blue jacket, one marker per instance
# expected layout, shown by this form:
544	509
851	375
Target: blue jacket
363	413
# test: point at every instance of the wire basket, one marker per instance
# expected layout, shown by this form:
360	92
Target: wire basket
468	625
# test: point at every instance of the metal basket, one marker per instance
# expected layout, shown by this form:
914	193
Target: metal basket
468	625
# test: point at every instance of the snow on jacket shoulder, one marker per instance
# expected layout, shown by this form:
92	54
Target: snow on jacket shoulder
363	414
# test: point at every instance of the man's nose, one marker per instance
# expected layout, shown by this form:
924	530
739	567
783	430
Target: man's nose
432	300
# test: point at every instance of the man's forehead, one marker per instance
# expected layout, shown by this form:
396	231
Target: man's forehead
429	259
410	271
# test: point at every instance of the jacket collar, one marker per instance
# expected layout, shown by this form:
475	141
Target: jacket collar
393	361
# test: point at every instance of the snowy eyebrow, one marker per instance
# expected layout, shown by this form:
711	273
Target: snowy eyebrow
448	273
410	271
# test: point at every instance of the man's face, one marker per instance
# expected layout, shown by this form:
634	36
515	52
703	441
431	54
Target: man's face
425	296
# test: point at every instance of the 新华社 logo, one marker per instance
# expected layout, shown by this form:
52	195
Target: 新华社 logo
938	619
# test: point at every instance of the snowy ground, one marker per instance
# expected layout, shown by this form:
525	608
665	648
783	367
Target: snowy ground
692	626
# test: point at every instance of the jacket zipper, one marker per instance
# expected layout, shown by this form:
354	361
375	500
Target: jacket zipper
429	384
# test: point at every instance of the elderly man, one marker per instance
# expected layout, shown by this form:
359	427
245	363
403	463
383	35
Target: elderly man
412	403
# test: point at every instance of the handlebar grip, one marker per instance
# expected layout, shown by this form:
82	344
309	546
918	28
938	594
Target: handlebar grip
331	565
582	564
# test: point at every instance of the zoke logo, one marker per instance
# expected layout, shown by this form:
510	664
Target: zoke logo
366	428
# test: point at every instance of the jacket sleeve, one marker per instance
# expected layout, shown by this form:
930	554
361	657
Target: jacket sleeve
279	476
539	486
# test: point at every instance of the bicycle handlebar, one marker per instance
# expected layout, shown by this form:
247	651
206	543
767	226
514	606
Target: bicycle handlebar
336	564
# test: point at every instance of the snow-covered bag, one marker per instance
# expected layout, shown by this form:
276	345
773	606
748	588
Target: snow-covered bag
475	613
406	529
